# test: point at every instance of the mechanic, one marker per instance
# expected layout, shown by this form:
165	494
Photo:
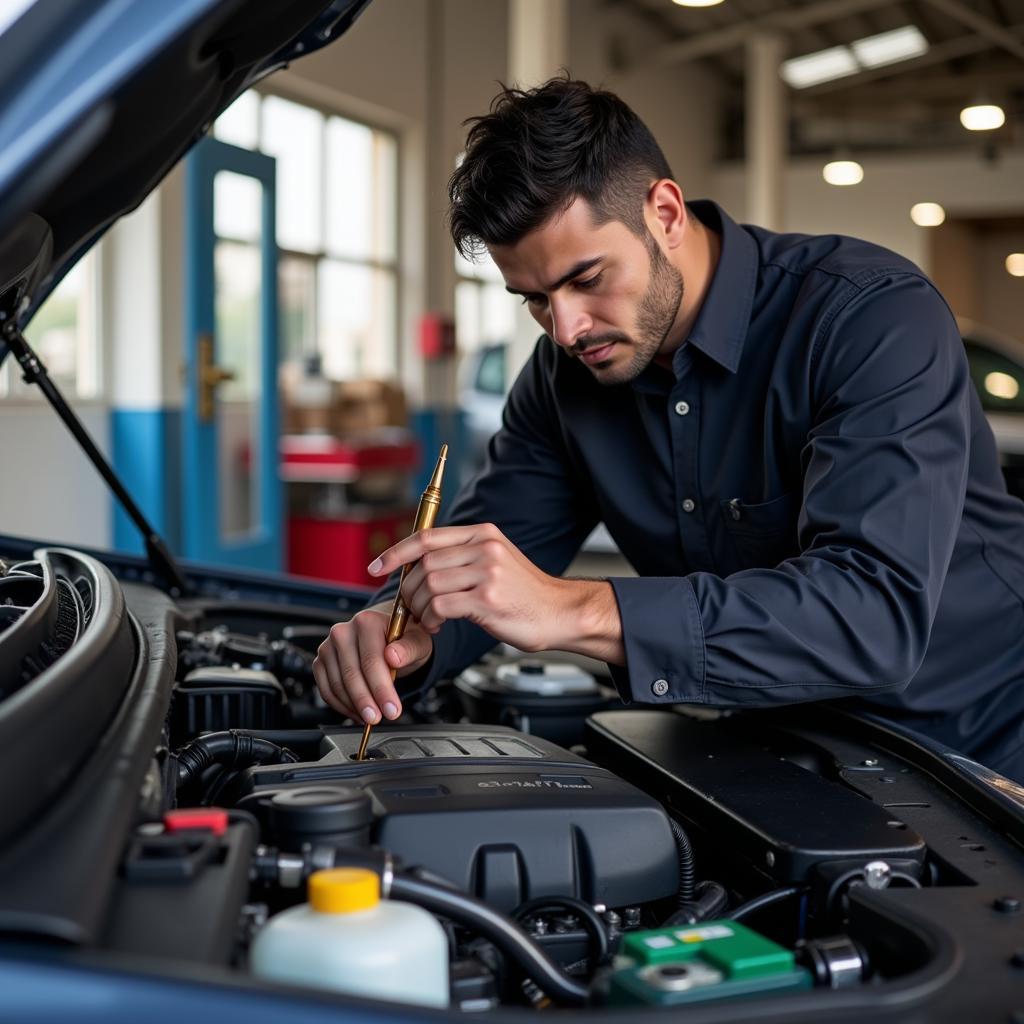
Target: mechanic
779	432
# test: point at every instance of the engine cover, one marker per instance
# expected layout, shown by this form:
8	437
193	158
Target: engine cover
505	816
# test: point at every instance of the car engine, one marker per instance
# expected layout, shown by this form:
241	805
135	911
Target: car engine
174	779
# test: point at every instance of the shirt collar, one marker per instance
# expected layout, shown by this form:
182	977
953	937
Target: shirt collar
721	325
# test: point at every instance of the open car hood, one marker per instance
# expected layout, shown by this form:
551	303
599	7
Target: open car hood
100	98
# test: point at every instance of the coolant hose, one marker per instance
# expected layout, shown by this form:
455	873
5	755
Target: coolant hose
507	936
687	871
233	749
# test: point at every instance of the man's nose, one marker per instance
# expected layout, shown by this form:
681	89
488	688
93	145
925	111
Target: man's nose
569	321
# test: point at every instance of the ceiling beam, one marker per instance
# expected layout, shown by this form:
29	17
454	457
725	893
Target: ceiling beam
982	25
937	54
706	43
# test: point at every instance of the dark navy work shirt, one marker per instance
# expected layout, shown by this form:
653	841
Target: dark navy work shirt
811	498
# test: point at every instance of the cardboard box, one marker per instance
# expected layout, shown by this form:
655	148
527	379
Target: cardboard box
341	407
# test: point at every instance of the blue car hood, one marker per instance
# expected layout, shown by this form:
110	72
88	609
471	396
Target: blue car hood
100	98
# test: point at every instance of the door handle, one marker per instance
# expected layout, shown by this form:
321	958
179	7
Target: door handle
210	377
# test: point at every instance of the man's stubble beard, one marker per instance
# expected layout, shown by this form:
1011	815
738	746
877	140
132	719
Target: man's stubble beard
656	314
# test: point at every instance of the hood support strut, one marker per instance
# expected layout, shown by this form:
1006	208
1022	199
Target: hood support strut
160	558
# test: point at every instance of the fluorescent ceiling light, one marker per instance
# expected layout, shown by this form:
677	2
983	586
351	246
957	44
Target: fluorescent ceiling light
696	3
823	66
890	47
843	172
982	117
860	55
1015	264
927	215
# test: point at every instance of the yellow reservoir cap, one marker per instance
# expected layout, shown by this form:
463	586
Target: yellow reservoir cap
344	890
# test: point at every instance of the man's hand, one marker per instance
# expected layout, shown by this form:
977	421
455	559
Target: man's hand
353	665
476	573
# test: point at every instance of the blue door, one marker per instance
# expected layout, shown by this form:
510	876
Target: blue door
231	490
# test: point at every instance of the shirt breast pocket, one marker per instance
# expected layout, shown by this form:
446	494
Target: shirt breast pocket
763	534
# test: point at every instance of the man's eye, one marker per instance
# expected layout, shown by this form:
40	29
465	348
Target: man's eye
534	300
591	282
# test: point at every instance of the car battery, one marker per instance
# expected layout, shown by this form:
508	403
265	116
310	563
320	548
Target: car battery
711	961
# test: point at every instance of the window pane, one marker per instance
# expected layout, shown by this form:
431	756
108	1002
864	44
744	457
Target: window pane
293	134
356	320
237	201
238	318
240	123
498	322
361	174
467	316
62	334
297	290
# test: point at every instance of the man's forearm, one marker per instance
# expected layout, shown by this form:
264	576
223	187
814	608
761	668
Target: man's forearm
589	622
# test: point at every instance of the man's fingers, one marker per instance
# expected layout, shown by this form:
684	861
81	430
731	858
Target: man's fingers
327	673
376	672
436	584
418	544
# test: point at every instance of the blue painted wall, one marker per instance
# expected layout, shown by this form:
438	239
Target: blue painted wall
146	452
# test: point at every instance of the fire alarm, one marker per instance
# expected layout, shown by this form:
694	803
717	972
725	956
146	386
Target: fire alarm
437	335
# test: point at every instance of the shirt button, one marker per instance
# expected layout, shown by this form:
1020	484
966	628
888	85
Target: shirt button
689	505
682	408
659	687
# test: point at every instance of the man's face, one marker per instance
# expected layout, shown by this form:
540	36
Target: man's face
606	296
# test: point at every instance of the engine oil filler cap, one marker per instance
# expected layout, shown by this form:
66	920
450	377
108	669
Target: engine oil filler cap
190	819
343	890
321	813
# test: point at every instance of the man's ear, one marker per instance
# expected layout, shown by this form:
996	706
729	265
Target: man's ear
665	212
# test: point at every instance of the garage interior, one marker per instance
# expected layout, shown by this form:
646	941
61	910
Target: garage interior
732	803
386	344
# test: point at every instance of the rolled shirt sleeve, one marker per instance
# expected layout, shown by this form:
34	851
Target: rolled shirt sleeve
884	477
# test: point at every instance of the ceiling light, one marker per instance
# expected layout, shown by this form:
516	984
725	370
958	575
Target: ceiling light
840	61
1015	264
982	117
890	47
696	3
927	215
1002	385
823	66
843	172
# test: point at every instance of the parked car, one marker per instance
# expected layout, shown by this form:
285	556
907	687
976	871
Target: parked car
169	777
997	370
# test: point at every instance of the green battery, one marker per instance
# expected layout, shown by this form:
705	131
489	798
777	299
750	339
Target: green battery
713	960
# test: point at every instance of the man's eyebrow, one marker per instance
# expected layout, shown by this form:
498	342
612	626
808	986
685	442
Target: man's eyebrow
580	268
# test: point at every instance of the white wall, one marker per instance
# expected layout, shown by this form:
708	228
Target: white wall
49	489
878	209
612	48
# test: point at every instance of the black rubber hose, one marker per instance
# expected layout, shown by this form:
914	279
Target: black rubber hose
505	934
591	921
687	869
768	899
232	749
709	901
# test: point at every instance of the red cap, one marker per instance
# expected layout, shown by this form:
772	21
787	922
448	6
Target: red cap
209	819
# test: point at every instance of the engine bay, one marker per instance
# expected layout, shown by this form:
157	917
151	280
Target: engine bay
174	780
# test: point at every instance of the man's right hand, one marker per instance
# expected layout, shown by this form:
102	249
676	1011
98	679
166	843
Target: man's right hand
353	665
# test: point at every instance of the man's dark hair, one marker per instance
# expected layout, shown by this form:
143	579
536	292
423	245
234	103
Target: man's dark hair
540	149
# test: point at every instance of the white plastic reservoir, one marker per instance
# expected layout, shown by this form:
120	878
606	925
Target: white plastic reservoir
348	939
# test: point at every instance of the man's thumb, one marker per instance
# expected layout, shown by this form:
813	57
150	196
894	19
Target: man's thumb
407	650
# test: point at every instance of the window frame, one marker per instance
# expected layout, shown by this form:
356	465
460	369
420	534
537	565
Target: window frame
392	267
